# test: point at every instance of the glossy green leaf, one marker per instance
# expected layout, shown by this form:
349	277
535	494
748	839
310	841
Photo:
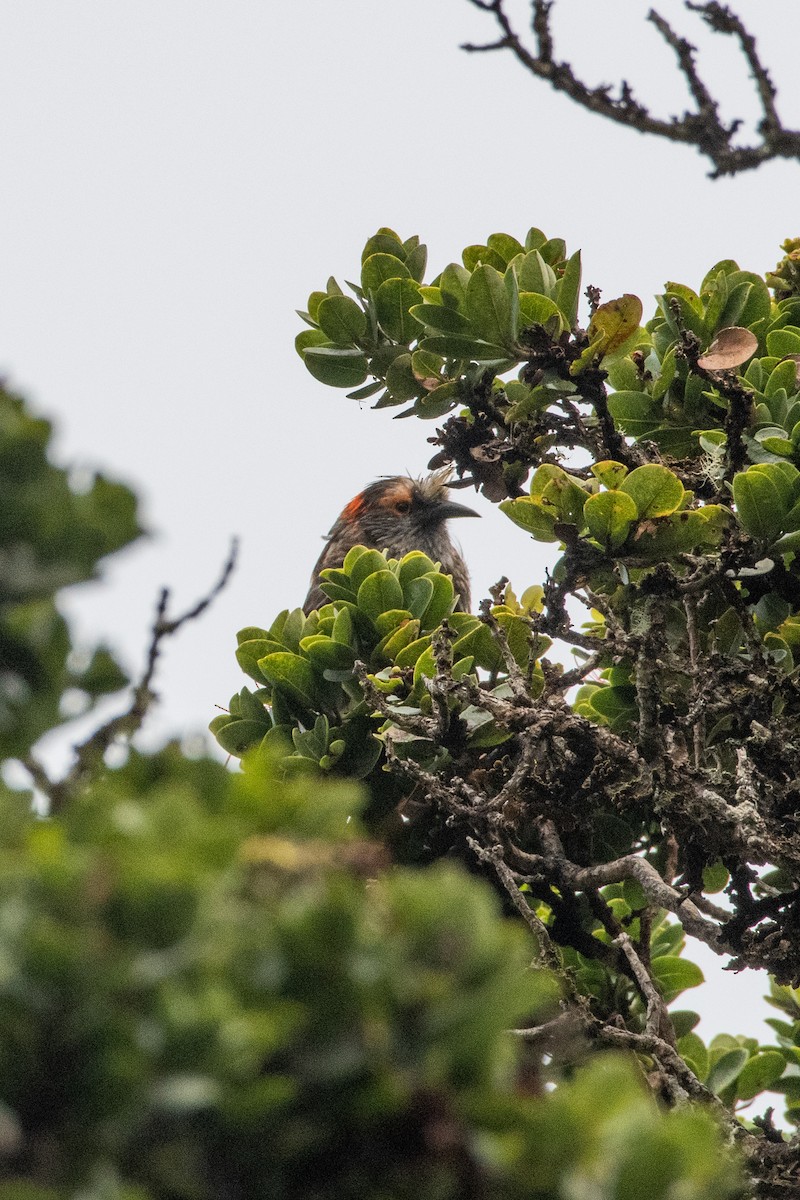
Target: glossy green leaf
681	532
237	737
342	320
535	275
759	506
293	674
505	245
360	562
436	403
336	367
694	1050
654	489
442	317
393	299
536	309
453	285
380	592
635	413
609	516
568	290
532	516
609	472
490	308
376	269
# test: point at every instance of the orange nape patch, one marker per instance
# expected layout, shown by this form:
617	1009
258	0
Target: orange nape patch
354	508
399	492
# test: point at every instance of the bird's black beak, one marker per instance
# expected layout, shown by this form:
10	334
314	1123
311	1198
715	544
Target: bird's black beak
449	509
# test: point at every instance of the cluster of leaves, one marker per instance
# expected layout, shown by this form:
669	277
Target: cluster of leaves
664	462
643	514
211	989
52	534
383	614
204	995
415	340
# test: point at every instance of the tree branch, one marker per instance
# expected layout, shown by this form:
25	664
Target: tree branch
702	128
128	723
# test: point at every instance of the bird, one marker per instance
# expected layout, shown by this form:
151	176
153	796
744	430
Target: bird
398	514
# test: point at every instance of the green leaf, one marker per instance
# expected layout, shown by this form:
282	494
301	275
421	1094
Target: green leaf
635	413
293	675
505	245
442	600
490	308
681	532
380	592
782	342
418	594
376	269
237	737
609	472
759	506
393	299
674	975
715	876
535	275
359	562
440	400
568	289
337	368
417	261
532	516
759	1073
474	256
412	565
609	516
726	1069
401	380
309	337
441	317
654	489
408	656
328	655
693	1048
453	285
342	320
540	310
458	345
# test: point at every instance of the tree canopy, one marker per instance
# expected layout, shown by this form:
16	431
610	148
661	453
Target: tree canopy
431	938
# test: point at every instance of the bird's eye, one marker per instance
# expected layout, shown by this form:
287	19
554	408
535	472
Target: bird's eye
403	507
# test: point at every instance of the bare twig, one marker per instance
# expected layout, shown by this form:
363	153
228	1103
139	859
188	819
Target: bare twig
89	752
702	128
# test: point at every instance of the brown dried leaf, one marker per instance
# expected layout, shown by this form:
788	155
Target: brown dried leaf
730	348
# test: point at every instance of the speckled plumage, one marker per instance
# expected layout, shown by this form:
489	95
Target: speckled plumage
398	514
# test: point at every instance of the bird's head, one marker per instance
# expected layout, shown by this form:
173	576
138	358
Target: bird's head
402	514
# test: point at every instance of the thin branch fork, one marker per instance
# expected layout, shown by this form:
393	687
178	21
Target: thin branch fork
89	752
703	128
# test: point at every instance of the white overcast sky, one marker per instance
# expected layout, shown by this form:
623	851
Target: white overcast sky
179	174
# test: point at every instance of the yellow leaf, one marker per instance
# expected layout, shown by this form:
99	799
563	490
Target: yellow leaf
614	322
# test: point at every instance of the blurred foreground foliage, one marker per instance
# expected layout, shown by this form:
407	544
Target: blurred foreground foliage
211	988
